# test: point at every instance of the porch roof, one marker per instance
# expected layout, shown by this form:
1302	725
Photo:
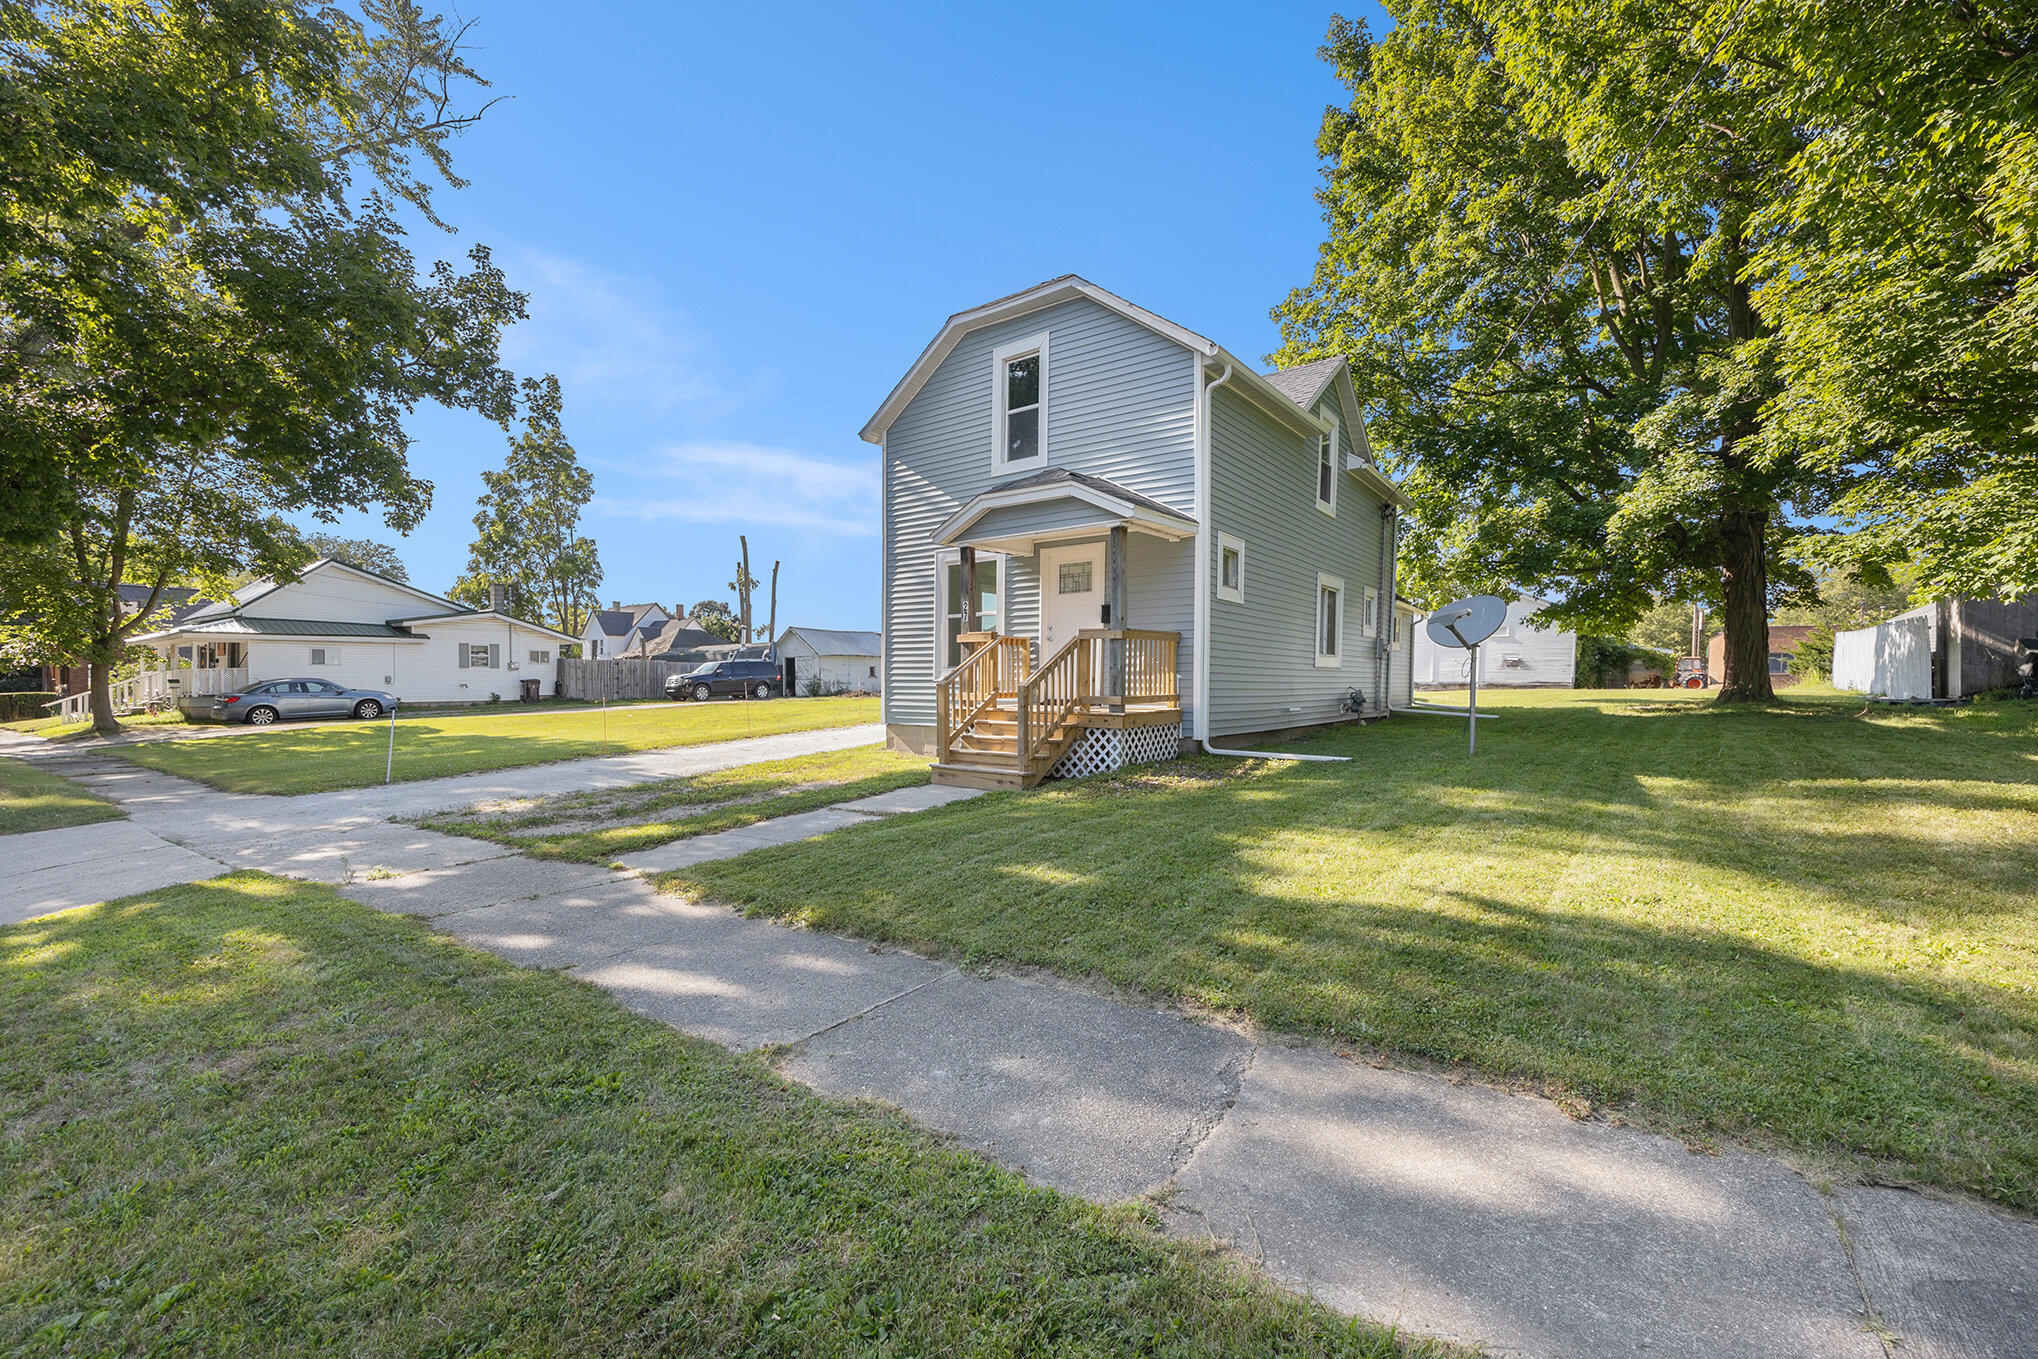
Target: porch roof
1054	504
234	626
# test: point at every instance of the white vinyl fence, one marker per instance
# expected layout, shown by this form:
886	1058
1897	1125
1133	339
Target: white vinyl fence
1892	660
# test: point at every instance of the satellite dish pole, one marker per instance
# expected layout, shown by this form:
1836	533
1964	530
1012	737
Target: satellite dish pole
1469	622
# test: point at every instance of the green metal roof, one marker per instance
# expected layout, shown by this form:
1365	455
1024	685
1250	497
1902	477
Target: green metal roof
298	627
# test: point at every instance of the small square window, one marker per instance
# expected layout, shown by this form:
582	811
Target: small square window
1076	578
325	655
541	657
1230	568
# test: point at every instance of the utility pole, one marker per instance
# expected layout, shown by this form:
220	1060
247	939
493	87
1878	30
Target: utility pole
772	639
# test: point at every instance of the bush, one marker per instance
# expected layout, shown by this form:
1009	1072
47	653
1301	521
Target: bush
27	704
1814	655
1602	657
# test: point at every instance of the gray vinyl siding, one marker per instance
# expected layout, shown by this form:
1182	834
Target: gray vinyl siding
1120	405
1051	517
1263	673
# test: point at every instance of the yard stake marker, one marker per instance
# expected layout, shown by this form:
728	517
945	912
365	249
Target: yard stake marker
389	765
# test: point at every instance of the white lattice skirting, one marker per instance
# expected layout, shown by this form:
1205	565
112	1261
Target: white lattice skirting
1099	750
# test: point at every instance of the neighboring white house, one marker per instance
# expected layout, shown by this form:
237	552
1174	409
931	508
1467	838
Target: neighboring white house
357	629
842	661
614	630
1519	655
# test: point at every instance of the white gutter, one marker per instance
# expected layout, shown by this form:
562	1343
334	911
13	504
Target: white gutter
1203	538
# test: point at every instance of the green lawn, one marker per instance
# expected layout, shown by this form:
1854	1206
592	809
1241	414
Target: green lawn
251	1117
1797	927
56	729
32	800
315	757
598	827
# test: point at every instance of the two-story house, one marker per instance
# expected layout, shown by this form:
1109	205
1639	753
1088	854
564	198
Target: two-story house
614	630
1105	537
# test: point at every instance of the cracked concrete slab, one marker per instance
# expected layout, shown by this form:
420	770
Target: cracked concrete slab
1494	1220
1079	1092
1949	1282
471	886
339	855
921	798
54	870
749	983
575	928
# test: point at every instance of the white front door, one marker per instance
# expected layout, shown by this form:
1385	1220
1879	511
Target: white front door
1071	594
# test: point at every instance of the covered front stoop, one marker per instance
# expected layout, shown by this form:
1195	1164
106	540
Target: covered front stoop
1000	723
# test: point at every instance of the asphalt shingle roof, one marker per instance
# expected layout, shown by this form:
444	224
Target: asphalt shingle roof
1303	383
1051	476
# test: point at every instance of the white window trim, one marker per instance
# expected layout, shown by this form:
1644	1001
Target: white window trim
1372	623
1227	543
952	556
1326	448
1327	660
1000	390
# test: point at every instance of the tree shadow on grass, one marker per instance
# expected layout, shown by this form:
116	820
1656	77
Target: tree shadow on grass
1748	949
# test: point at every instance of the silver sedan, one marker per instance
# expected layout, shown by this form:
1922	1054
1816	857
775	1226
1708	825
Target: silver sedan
272	700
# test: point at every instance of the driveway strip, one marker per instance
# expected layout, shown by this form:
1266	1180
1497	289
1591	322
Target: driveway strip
1451	1209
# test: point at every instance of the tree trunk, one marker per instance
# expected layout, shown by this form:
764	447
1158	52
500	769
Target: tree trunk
743	586
1746	616
104	723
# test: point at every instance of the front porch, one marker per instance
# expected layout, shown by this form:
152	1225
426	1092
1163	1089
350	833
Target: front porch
1106	698
1060	686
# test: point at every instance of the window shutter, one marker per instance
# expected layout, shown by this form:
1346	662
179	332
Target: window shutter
463	655
495	655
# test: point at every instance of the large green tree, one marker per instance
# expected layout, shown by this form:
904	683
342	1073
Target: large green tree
1573	251
527	526
209	318
365	553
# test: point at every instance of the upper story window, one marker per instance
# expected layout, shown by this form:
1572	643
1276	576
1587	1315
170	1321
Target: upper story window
1326	467
1020	378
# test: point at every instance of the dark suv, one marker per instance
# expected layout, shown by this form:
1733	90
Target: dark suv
715	679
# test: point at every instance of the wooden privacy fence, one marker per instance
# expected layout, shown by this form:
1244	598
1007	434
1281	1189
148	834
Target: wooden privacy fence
615	678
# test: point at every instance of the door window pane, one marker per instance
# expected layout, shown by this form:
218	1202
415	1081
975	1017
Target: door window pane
959	617
1076	578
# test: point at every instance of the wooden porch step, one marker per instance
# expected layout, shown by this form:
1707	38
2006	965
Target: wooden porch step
981	776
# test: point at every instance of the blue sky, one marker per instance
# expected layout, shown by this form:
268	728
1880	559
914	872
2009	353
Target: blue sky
738	226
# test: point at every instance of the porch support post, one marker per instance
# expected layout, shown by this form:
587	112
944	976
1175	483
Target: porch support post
1114	587
969	589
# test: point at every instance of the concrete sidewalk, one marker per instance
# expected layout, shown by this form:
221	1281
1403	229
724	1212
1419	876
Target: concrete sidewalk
1450	1209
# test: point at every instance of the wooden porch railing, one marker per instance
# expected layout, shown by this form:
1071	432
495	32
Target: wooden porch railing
1064	683
999	665
1138	665
1108	668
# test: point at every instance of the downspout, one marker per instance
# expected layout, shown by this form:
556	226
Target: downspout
1389	618
1204	535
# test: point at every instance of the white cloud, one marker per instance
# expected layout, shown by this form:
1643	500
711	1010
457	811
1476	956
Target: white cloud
618	350
721	482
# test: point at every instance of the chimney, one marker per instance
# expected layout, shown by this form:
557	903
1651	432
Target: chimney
615	604
496	597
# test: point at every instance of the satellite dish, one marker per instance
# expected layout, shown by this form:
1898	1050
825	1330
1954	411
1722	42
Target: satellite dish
1467	622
